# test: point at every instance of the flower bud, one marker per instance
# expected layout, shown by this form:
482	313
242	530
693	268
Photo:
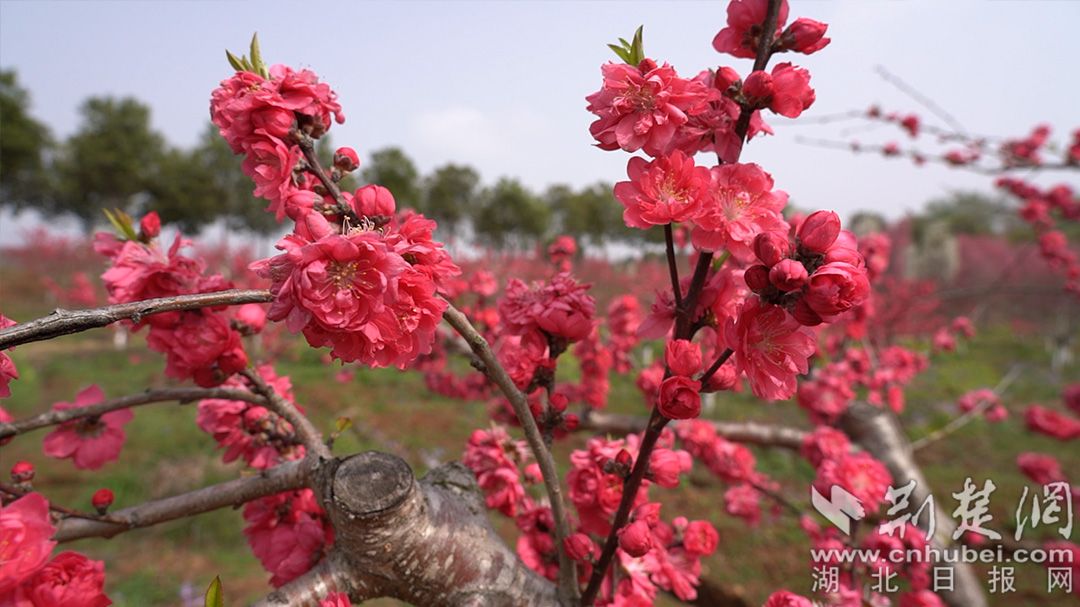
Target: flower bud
581	548
664	468
836	288
571	422
819	231
805	36
771	247
623	458
680	398
635	539
683	357
102	499
149	226
346	159
725	77
757	278
373	201
788	275
648	513
700	538
22	472
758	88
558	402
253	316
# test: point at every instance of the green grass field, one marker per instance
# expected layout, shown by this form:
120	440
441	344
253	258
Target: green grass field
166	454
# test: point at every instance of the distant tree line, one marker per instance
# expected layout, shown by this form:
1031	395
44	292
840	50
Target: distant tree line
115	159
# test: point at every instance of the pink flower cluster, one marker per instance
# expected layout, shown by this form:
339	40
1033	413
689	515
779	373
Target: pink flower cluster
827	395
1052	423
371	295
561	252
732	463
251	432
743	35
987	401
497	461
28	578
1043	210
258	117
353	275
288	533
558	309
652	554
201	345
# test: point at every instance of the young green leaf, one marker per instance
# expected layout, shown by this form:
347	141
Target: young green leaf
620	52
234	61
214	596
256	57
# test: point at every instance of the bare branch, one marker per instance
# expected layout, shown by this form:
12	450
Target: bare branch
305	430
62	511
181	395
495	371
962	420
284	477
920	98
740	432
65	322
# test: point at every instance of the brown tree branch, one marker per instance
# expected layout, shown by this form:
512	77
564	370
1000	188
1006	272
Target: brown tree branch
284	477
16	492
494	370
66	322
181	395
309	436
740	432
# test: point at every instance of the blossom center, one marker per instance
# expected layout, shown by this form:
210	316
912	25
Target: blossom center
342	274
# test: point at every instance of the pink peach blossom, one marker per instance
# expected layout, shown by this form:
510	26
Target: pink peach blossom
90	442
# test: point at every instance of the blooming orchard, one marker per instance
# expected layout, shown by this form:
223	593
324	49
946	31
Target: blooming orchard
781	304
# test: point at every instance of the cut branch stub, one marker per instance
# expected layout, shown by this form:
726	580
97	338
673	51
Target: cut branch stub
427	543
369	484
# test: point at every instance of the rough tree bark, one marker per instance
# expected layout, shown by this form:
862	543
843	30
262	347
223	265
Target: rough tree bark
425	542
878	431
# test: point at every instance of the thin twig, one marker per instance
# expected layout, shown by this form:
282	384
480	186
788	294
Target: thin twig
673	267
181	395
65	322
962	420
311	438
497	374
920	98
283	477
719	362
61	510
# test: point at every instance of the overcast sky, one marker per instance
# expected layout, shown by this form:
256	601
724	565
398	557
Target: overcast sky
501	86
